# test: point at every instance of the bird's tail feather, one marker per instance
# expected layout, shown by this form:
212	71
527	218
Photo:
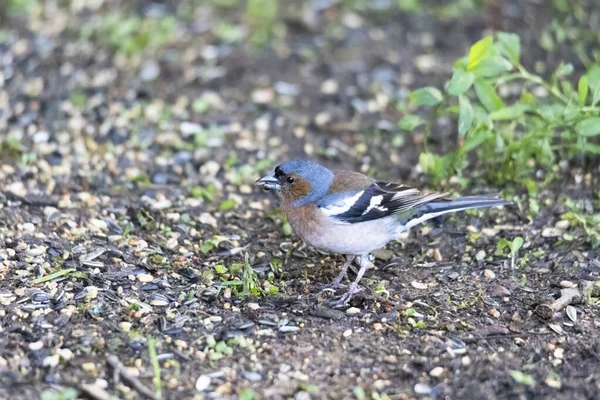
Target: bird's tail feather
465	203
443	206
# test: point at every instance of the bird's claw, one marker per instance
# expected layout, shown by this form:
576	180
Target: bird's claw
346	297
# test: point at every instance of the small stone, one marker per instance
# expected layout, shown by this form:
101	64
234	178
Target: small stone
562	224
436	372
559	353
480	256
567	284
253	306
65	354
36	251
150	71
28	227
465	361
208	219
125	326
203	383
494	313
99	224
377	326
489	274
551	232
162	204
263	96
347	333
35	346
330	86
51	361
421	388
145	278
353	311
419	285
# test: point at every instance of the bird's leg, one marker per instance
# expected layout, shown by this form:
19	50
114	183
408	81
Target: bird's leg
353	289
338	279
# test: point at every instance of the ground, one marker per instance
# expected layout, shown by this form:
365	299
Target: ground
134	241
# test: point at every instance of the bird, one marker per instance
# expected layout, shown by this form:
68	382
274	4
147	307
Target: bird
349	213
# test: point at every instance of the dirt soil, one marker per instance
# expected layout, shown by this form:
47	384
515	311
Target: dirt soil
106	176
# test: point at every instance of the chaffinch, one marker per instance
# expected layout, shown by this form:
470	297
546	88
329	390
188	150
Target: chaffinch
349	213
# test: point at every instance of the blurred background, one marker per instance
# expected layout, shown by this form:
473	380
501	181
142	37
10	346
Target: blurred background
149	91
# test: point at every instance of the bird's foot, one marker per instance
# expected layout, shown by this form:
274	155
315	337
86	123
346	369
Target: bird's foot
346	297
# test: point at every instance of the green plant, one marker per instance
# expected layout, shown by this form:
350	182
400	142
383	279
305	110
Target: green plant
513	246
66	393
130	35
589	222
515	134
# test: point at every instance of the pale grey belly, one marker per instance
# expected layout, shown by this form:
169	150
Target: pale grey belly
359	238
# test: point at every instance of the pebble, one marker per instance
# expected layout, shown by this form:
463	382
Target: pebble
330	86
253	306
347	333
436	372
353	311
162	204
551	232
99	224
51	361
35	346
263	96
567	284
489	274
288	329
419	285
125	326
208	219
421	388
146	278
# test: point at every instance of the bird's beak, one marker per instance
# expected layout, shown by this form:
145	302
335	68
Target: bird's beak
269	182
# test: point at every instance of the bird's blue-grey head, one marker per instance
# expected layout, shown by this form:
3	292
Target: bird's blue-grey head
317	176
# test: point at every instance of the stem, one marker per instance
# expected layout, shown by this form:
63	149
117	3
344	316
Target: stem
537	79
431	121
155	367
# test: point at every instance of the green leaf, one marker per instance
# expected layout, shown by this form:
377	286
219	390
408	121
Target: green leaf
465	116
589	127
516	245
427	96
582	88
593	75
287	229
522	378
511	46
227	204
474	140
564	70
410	122
492	66
359	393
487	95
53	275
461	82
480	51
510	112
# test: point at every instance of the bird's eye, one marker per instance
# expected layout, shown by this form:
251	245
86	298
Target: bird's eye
290	179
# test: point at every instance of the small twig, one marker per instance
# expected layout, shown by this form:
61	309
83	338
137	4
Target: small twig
567	297
142	389
95	392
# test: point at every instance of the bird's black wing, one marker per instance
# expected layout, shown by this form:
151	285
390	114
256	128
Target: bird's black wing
379	200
